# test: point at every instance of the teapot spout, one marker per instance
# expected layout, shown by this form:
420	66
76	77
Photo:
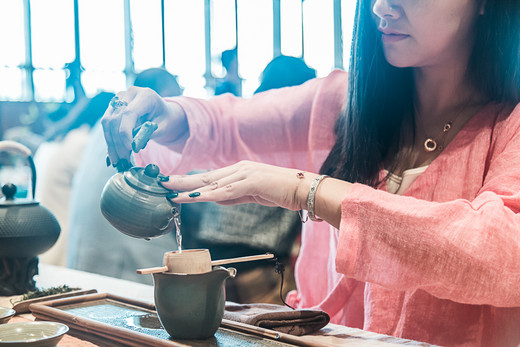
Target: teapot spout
219	274
232	272
164	214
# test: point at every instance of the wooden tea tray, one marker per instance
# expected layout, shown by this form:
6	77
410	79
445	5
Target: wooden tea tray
23	305
135	323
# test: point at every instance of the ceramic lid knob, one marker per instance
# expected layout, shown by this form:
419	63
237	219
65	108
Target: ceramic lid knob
151	170
9	191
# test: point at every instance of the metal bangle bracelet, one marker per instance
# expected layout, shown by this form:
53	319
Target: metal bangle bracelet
311	197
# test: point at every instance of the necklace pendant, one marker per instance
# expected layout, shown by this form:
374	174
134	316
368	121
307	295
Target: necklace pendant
430	145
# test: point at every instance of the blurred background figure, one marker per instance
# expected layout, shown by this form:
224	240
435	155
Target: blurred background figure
94	244
285	71
231	82
58	119
248	229
160	80
56	162
73	84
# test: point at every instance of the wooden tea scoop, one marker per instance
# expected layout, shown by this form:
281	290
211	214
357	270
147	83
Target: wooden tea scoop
152	270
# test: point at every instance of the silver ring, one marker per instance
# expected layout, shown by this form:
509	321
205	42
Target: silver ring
117	103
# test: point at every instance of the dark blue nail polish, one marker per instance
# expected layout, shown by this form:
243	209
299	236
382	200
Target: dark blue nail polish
172	195
164	178
194	194
123	165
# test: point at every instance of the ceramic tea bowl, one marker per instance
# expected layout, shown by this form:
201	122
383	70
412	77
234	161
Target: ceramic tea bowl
6	314
20	334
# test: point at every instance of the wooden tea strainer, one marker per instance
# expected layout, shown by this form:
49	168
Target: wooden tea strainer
213	263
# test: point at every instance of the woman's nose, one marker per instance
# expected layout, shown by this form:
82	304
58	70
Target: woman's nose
386	11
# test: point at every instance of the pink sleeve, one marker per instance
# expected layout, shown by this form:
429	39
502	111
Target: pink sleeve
278	127
463	250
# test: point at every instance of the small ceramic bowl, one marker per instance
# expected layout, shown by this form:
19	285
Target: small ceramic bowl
6	314
25	334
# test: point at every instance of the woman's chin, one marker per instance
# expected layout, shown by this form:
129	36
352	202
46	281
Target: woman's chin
398	60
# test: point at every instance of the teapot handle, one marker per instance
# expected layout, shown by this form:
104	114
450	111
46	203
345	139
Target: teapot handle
25	151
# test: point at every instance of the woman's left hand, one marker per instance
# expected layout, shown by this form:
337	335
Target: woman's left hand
245	182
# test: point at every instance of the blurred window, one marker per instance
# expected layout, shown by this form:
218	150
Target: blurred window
291	27
12	84
117	39
348	8
255	41
12	45
184	43
102	45
52	38
147	33
318	35
223	32
49	85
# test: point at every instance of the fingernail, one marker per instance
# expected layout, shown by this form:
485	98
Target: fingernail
123	165
108	161
194	194
172	195
164	178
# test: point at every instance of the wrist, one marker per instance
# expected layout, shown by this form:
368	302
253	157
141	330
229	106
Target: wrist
320	195
177	130
302	190
311	198
306	192
328	199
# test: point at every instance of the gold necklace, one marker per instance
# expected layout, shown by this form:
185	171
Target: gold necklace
431	144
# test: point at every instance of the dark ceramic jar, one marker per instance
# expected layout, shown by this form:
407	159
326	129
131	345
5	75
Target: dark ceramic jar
191	306
26	228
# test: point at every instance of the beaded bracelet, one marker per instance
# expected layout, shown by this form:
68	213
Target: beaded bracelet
311	198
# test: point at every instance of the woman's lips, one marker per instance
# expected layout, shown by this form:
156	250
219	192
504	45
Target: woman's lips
389	38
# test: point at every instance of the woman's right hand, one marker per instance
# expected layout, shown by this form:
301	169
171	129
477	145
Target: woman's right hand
141	105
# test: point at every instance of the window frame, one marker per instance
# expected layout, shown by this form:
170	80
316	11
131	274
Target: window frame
129	70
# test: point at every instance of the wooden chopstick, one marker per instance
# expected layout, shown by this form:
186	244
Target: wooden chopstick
152	270
253	329
242	259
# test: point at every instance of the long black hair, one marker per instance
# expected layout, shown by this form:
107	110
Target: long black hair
380	96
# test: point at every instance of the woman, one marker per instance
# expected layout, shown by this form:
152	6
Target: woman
421	236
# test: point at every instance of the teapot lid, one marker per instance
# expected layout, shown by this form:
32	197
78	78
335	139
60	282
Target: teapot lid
9	191
147	178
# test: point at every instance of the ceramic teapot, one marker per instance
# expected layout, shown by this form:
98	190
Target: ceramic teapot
191	306
26	228
135	203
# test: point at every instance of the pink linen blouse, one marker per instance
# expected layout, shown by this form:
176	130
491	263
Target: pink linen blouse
440	263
